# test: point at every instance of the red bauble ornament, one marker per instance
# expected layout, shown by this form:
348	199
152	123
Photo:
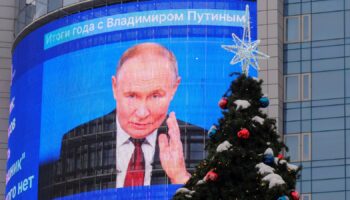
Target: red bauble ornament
244	134
280	156
295	195
211	176
223	103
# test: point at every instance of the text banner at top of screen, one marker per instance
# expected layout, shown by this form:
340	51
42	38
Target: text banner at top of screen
135	20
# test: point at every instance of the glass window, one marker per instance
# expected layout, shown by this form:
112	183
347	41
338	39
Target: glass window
54	5
347	22
22	4
306	174
306	7
328	124
292	88
292	30
328	172
328	145
291	1
293	144
306	125
327	111
69	2
292	114
327	5
41	8
292	9
323	89
297	28
292	127
297	87
347	79
326	186
291	67
335	51
299	146
306	113
292	55
328	195
347	110
30	12
32	2
306	31
348	179
305	197
306	86
305	186
324	24
306	54
306	146
305	66
328	64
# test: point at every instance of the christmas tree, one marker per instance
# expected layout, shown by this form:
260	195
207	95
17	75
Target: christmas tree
244	152
245	160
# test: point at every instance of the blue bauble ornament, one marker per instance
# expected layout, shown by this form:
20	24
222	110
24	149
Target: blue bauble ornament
284	197
269	159
264	102
212	131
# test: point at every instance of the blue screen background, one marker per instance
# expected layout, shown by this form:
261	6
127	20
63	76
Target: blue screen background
77	90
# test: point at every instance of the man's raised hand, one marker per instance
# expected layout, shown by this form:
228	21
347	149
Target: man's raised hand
171	153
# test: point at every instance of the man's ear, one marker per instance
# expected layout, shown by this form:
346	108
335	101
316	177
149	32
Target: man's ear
114	87
175	86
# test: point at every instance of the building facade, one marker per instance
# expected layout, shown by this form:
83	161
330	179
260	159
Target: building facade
306	79
7	18
316	94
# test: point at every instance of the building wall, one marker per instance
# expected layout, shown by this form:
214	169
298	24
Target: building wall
317	72
7	13
270	32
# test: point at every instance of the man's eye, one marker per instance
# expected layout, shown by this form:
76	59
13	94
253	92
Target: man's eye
131	96
156	95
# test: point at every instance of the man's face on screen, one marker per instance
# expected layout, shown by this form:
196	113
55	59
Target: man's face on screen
143	89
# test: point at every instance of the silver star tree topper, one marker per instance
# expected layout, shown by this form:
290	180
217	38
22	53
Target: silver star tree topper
244	49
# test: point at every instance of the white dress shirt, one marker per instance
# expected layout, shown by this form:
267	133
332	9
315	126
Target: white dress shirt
125	149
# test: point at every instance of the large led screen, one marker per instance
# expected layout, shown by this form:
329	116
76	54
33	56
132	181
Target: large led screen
116	101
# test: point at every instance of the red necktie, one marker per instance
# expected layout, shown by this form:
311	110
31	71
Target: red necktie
136	169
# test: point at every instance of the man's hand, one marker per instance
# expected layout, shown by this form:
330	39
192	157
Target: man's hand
171	153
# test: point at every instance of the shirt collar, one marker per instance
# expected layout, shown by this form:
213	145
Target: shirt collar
123	137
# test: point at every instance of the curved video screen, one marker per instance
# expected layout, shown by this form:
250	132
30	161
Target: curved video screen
115	101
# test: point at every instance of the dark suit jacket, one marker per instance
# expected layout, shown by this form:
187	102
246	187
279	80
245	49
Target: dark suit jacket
88	158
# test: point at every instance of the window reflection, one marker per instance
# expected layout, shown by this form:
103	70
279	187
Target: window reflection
322	89
297	28
332	21
328	145
292	88
306	197
292	29
306	86
54	5
306	147
306	27
293	143
299	146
